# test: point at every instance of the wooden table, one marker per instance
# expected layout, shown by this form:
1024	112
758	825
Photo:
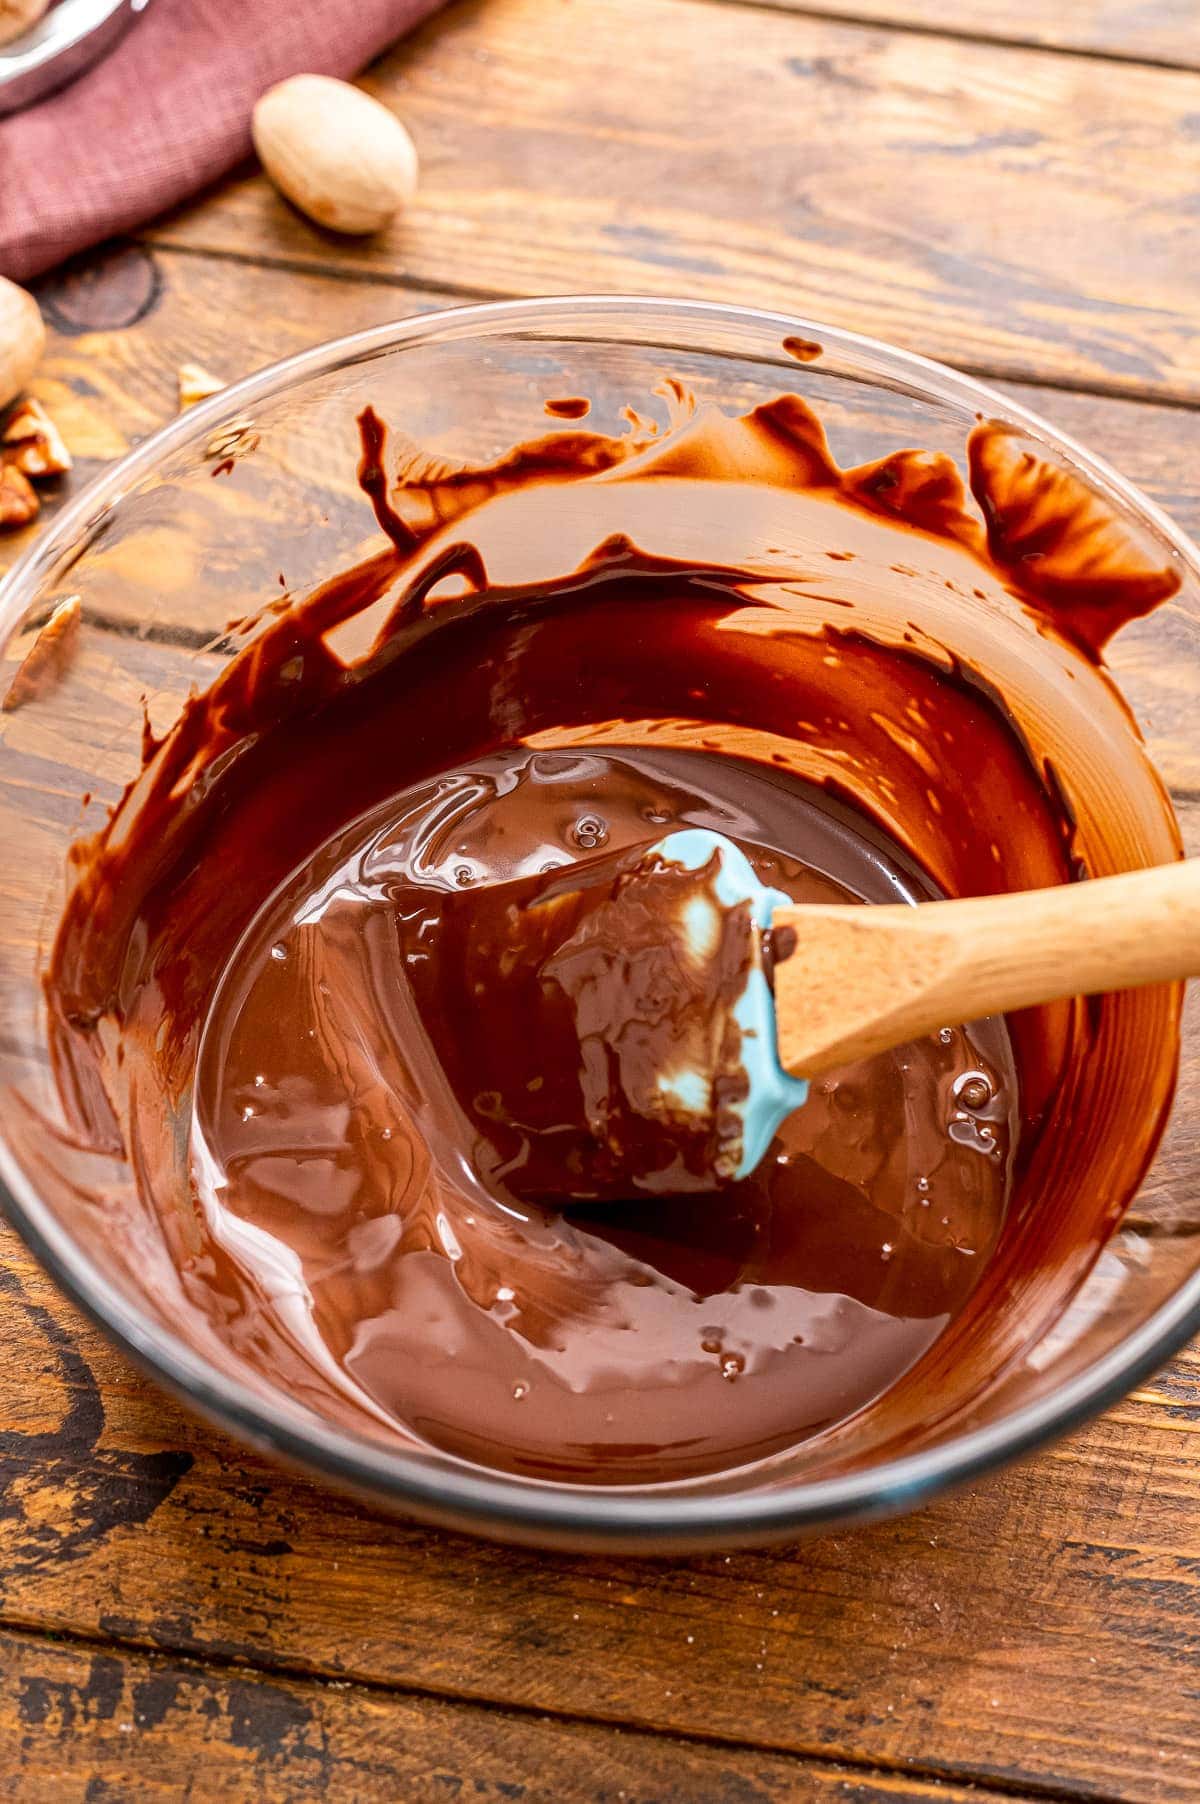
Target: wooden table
1014	189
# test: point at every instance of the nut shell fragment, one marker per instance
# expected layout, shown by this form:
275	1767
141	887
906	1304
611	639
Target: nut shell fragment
18	499
196	384
48	658
32	442
237	439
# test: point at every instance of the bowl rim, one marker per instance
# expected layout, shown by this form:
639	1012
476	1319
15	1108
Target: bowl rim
441	1488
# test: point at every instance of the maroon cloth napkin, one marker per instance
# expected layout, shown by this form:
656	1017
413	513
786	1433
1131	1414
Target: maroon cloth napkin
167	112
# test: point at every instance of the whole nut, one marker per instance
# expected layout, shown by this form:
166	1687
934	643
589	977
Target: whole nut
338	155
22	339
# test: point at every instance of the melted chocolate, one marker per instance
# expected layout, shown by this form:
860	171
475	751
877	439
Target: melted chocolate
278	986
556	1003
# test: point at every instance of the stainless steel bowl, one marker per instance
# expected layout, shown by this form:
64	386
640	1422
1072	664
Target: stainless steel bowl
67	40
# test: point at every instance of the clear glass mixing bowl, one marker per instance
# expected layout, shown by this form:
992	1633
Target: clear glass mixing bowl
162	557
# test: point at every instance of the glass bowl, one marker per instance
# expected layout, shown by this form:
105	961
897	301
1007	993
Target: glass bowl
162	557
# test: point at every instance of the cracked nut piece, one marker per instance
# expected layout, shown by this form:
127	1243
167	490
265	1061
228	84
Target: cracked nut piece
22	339
32	442
196	384
336	153
18	499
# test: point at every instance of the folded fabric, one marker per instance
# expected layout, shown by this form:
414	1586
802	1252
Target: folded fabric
167	112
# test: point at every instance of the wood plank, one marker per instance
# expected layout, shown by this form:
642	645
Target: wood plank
1039	1631
1162	31
83	1724
940	193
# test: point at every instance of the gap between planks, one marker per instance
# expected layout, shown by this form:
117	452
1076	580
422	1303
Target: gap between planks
460	294
912	26
844	1764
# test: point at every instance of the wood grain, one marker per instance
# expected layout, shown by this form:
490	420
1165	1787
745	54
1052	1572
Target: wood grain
863	980
90	1724
939	193
1040	1631
1141	30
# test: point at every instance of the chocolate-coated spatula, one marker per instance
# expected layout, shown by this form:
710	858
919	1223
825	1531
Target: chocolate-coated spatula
694	1002
849	981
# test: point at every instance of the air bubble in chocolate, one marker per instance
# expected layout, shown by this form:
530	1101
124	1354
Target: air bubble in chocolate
973	1090
590	831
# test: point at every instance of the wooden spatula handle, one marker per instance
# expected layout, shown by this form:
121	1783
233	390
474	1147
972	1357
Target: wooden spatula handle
863	979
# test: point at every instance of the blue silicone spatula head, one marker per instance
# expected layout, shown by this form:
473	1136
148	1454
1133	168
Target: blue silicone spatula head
771	1094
